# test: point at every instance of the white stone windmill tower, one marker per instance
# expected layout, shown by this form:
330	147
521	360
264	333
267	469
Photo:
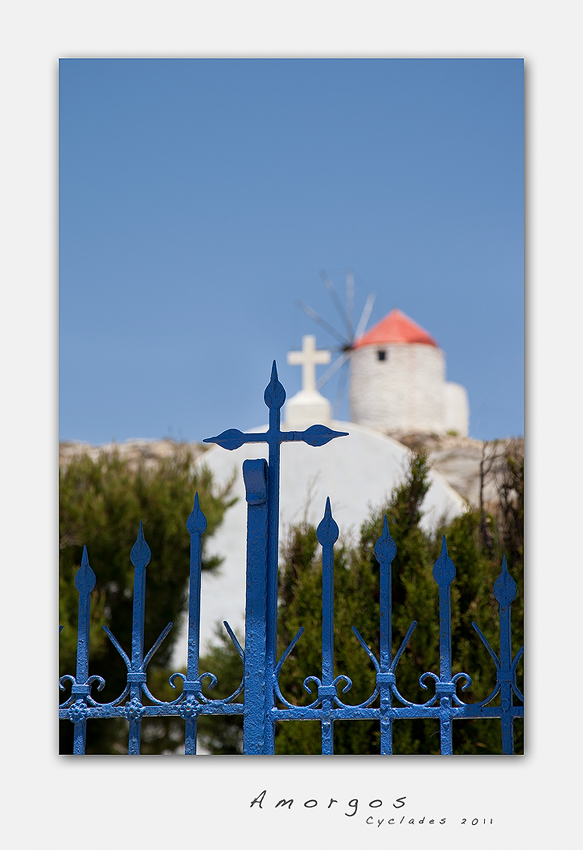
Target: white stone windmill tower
397	383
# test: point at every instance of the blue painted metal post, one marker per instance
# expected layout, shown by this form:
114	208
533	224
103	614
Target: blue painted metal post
327	533
444	574
274	398
505	592
140	558
385	551
196	526
84	582
256	718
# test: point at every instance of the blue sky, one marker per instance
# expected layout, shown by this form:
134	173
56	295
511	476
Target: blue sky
199	199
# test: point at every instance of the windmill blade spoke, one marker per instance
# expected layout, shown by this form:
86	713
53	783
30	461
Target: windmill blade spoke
365	315
350	297
340	389
346	347
332	370
338	304
316	318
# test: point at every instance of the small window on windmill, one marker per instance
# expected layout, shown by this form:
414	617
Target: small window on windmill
381	354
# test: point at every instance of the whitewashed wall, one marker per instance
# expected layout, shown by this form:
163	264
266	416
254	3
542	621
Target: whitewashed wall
354	471
403	393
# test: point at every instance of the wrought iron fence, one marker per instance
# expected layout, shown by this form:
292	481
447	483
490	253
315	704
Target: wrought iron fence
264	704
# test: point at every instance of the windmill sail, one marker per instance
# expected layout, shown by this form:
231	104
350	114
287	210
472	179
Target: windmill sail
346	337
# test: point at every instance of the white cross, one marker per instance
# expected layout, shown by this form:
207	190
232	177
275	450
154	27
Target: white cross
308	358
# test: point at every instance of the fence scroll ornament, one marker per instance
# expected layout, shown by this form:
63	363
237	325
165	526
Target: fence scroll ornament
264	704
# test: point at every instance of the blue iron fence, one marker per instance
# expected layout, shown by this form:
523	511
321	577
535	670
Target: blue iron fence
264	704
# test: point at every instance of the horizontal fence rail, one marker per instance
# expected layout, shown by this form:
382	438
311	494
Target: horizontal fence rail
264	704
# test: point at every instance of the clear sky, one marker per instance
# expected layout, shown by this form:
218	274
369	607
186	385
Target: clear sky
199	199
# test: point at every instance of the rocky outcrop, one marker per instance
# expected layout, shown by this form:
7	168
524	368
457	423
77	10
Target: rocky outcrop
148	453
472	467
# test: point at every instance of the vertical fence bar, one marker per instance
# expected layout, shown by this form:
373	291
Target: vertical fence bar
140	558
196	526
444	574
274	398
258	676
327	533
84	582
385	551
505	593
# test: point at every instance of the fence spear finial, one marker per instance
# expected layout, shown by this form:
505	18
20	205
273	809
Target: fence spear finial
274	395
141	553
196	522
444	569
85	578
504	586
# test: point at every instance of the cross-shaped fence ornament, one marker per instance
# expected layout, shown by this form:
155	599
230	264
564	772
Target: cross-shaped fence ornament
315	435
308	358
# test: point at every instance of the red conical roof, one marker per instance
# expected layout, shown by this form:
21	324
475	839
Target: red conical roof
395	328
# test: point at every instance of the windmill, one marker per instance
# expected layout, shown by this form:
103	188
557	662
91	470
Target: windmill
346	337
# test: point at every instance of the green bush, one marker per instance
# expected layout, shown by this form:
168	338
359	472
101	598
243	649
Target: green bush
415	597
101	505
